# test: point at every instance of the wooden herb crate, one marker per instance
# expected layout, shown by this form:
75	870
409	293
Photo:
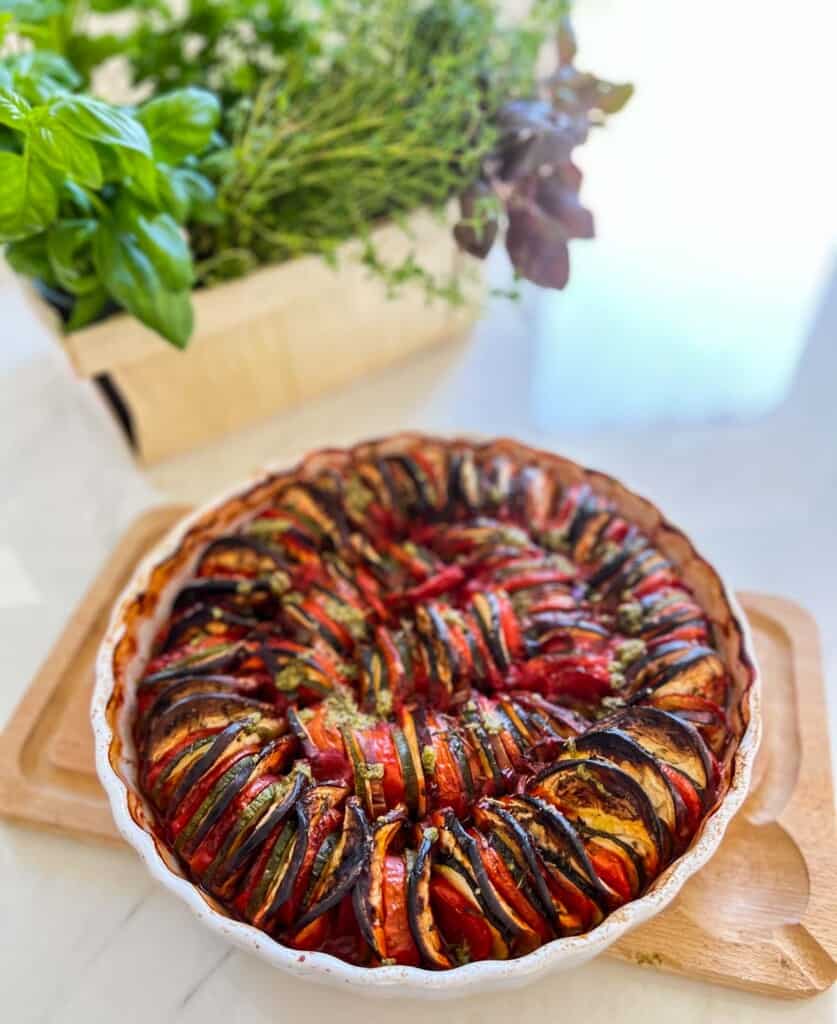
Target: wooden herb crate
273	339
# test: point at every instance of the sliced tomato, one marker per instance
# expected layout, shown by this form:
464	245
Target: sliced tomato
611	870
450	790
689	633
440	583
195	797
460	923
507	887
344	938
687	792
398	938
656	581
509	624
584	676
396	672
205	853
312	936
576	911
378	748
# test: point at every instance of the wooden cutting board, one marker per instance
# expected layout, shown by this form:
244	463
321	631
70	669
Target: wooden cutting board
762	915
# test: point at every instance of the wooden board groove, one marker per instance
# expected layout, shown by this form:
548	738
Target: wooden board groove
761	916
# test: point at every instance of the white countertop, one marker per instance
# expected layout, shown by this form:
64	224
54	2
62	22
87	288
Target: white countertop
82	927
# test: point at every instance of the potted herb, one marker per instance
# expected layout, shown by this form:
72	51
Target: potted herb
278	196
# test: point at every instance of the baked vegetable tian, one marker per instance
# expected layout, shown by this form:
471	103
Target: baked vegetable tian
429	704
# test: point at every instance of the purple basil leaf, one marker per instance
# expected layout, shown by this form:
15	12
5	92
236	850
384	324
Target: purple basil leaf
557	196
537	247
536	135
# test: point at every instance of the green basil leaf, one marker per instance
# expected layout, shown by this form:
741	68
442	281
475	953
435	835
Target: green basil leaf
38	64
29	257
101	122
164	242
87	308
132	280
161	240
187	194
202	197
75	156
138	174
179	123
39	90
70	249
173	192
28	202
14	110
75	194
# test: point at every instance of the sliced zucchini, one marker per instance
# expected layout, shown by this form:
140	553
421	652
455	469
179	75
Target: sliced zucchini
283	803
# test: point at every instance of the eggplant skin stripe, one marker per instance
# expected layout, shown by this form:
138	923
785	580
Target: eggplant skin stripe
430	707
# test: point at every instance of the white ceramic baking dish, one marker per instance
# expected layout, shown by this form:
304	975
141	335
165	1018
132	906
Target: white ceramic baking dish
144	605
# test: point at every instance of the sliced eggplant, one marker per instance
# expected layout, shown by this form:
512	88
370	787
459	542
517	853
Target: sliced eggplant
350	855
315	812
202	713
559	846
426	934
279	872
225	743
496	820
252	812
487	614
491	769
669	738
606	799
166	773
368	893
241	556
209	620
617	747
219	798
463	482
283	803
462	853
408	729
246	597
426	497
209	661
